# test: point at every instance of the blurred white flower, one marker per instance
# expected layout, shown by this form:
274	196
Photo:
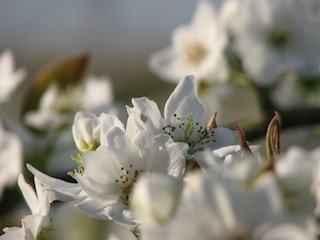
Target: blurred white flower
228	12
57	107
197	49
222	99
297	174
288	94
9	77
110	174
97	94
214	208
231	162
39	204
155	198
272	37
183	113
11	157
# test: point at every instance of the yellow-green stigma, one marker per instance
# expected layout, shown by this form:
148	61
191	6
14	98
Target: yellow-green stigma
190	132
195	53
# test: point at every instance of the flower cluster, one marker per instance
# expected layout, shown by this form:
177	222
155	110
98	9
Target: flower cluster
266	45
176	173
178	176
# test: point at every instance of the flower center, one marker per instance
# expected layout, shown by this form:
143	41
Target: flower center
126	182
67	101
277	38
195	53
190	132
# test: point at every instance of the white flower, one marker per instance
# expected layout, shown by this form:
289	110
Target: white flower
298	174
289	94
213	208
39	204
66	191
57	107
182	119
90	131
97	94
155	198
9	77
272	37
231	162
10	158
222	99
111	173
196	49
228	12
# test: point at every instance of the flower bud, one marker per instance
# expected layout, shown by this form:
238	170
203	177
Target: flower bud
86	131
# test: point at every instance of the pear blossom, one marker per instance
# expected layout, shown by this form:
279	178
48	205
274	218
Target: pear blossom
39	204
57	107
11	157
67	191
182	119
9	77
90	131
110	173
273	37
197	49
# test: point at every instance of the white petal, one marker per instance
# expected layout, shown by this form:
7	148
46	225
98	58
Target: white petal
28	194
118	212
224	137
203	12
32	225
10	158
97	92
92	208
9	77
149	109
63	190
12	233
170	159
184	101
103	193
155	197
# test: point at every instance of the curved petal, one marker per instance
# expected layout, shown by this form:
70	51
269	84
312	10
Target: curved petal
64	191
184	101
149	109
92	208
98	192
28	194
224	137
119	213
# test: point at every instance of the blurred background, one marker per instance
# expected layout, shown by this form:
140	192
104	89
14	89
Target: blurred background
118	35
